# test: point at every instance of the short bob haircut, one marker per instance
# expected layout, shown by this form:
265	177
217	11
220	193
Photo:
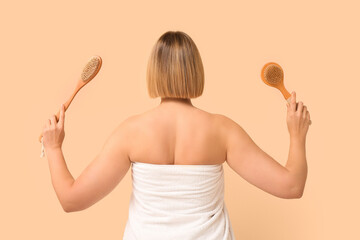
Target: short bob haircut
175	68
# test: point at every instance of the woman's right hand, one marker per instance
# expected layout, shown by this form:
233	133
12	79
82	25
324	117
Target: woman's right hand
298	118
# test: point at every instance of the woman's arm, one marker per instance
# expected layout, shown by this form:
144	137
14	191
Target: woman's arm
297	164
61	177
260	169
298	121
254	165
103	174
98	179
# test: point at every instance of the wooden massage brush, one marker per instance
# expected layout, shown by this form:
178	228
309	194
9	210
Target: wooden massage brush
273	75
89	72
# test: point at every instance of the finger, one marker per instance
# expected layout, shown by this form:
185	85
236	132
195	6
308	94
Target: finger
62	115
53	120
304	111
48	122
300	107
293	101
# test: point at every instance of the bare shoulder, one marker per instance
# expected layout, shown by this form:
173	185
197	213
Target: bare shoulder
129	122
124	128
234	135
225	121
226	124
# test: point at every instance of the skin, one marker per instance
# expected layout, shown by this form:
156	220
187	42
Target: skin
175	132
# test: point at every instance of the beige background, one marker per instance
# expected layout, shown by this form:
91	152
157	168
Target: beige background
45	44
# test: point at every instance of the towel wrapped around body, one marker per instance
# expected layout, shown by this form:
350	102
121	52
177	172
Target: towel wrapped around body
184	202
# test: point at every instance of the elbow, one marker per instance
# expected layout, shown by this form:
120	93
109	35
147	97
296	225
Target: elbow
296	192
293	194
295	189
67	208
298	195
72	207
70	203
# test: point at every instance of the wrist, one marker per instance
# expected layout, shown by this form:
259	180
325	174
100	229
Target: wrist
50	150
297	139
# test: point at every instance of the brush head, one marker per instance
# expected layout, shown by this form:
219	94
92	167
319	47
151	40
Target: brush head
91	69
272	74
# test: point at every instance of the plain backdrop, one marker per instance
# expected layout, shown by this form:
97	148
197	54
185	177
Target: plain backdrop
45	45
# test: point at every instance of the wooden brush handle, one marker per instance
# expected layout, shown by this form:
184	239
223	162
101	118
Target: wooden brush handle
67	104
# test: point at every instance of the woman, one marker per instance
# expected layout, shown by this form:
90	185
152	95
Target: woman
176	152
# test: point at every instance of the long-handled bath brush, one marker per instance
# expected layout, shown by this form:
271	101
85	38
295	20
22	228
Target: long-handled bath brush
89	72
273	75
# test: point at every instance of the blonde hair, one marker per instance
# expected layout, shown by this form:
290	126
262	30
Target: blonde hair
175	67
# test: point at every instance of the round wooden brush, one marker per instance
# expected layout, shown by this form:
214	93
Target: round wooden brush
89	72
273	75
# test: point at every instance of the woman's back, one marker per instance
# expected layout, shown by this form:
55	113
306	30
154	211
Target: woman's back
177	133
177	152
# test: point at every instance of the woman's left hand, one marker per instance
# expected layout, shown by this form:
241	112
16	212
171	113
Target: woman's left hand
53	132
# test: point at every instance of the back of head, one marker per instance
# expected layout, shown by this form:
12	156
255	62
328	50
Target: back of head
175	68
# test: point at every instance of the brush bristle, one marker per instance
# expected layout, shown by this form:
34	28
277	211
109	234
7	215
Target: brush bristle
91	68
273	74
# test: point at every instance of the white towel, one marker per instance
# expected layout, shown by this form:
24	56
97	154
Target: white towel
184	202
